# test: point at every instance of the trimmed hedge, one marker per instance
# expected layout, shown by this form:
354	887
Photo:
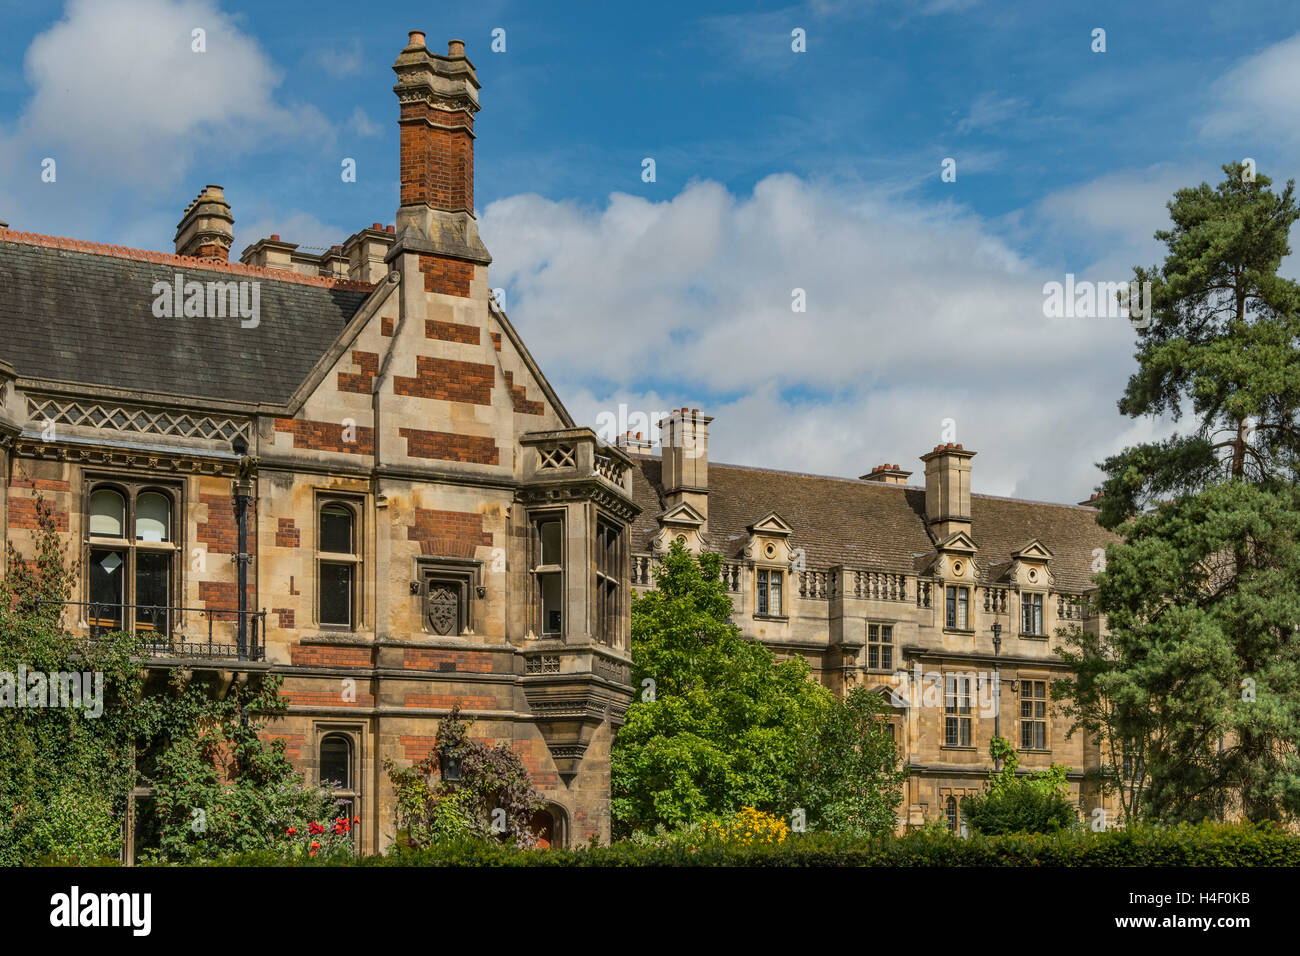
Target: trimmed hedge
1231	845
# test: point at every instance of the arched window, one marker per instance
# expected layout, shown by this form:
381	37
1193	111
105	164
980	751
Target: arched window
336	761
107	514
336	545
950	811
129	559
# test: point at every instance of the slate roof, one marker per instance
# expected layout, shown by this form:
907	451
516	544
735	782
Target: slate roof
87	317
873	525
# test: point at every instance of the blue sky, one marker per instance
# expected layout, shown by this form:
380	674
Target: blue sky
775	170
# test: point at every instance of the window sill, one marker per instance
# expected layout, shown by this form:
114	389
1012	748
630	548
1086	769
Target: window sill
1033	637
1033	750
956	747
964	631
779	618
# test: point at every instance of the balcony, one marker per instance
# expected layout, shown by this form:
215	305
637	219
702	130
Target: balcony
174	632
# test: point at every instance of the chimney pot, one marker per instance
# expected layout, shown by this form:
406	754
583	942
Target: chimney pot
416	38
456	48
275	237
377	226
389	228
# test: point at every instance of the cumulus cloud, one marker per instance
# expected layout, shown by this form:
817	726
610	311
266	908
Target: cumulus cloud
1260	96
119	95
914	315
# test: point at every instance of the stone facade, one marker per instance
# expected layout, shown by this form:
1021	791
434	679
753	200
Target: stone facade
415	483
894	587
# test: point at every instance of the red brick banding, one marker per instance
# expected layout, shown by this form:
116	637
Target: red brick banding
387	326
449	380
41	484
327	436
322	698
437	157
451	332
496	340
23	514
446	446
220	532
368	363
425	659
519	398
329	655
448	276
449	700
284	615
448	533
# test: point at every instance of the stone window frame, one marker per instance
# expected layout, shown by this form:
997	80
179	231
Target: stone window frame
130	487
608	612
969	626
882	645
957	713
537	571
1041	597
354	733
356	504
1034	719
765	570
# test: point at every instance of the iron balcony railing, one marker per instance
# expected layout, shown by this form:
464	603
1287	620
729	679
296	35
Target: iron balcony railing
161	628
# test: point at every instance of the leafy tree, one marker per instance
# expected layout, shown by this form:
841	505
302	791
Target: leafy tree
1195	694
724	726
850	781
1037	802
494	798
66	773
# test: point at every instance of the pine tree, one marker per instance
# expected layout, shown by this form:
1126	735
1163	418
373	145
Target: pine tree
1194	694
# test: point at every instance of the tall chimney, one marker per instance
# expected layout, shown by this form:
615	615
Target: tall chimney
437	97
684	443
947	490
206	230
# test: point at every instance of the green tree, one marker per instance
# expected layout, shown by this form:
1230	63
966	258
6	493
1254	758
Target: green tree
1195	694
719	723
849	779
64	771
1036	802
494	798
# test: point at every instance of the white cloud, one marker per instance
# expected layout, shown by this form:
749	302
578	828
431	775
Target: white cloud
990	110
914	315
1259	98
118	95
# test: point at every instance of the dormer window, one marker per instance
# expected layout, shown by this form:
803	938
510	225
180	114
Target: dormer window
957	608
770	590
1031	614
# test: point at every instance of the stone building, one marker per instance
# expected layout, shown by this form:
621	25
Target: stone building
425	523
896	587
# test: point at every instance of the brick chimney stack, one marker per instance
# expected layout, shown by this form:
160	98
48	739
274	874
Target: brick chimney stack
947	490
207	228
437	97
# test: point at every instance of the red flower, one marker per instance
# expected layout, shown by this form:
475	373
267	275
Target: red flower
291	831
315	827
356	819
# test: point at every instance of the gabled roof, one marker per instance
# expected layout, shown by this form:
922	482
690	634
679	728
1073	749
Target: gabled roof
872	525
82	313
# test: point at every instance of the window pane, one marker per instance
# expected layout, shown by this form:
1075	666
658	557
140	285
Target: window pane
551	534
107	514
336	594
762	592
107	571
153	518
962	596
552	603
873	656
336	762
152	590
887	657
774	599
951	600
336	529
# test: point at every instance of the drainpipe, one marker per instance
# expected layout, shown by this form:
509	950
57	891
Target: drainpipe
243	498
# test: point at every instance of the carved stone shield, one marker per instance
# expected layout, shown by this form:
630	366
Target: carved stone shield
443	609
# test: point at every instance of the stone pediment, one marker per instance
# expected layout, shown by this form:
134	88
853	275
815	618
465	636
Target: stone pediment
682	515
1035	550
772	525
959	542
